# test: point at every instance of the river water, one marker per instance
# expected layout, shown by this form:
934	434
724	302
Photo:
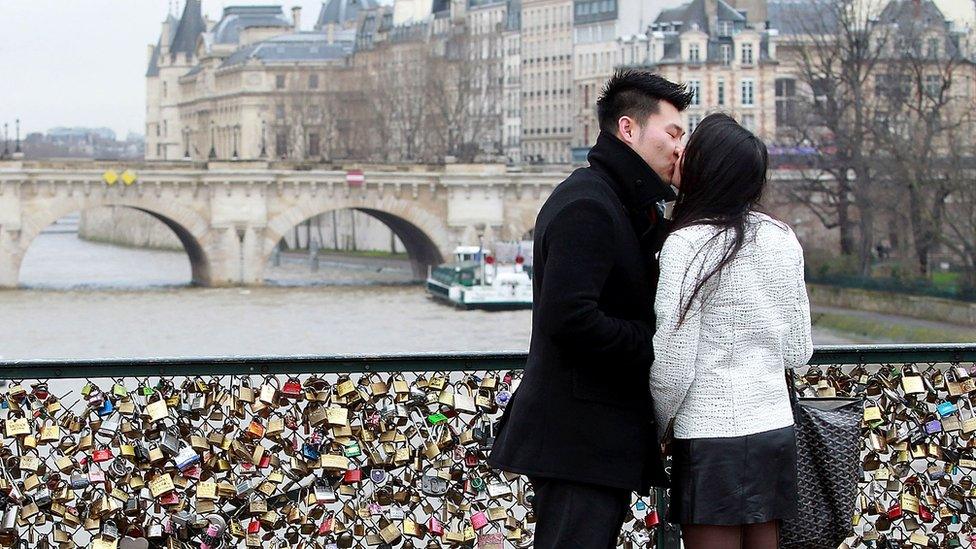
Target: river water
88	300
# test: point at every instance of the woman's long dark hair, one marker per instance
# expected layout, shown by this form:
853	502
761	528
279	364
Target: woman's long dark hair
723	174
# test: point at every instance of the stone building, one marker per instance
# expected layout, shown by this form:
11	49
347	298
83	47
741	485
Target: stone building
512	86
597	26
547	80
721	52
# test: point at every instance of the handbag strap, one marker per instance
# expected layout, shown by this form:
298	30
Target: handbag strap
791	389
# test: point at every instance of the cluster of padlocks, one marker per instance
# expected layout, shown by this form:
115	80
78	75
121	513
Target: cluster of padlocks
918	461
395	460
392	460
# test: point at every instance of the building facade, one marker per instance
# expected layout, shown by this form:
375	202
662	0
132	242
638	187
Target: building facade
464	80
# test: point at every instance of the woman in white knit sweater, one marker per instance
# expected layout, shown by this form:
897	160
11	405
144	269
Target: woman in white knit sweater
732	315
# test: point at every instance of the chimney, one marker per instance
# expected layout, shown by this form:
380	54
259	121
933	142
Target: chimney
296	17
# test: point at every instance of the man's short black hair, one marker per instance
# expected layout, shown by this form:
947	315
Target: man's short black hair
637	93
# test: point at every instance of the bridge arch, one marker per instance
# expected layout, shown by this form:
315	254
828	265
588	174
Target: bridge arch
192	229
425	237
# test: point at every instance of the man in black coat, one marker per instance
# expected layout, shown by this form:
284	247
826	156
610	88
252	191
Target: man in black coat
580	425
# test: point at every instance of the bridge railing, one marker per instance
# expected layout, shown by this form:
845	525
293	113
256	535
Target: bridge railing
389	451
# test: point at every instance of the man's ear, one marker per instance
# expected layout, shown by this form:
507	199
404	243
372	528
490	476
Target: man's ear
627	130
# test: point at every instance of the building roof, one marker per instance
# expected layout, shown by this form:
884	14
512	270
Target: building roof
924	11
189	29
292	48
238	18
153	69
799	16
341	12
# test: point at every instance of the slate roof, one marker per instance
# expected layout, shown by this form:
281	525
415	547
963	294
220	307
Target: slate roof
304	46
153	69
340	12
189	29
790	16
238	18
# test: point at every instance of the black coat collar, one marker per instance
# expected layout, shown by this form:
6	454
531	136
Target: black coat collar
636	184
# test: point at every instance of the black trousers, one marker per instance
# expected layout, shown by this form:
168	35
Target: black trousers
578	516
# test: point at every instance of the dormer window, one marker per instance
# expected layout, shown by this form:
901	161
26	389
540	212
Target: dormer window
725	28
694	53
747	58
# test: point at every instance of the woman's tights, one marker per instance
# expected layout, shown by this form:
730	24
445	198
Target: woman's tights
746	536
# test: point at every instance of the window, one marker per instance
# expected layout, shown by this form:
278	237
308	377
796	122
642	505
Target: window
165	128
693	121
280	111
694	86
165	89
281	144
747	90
933	85
313	144
726	54
720	92
785	101
749	122
725	28
933	48
280	81
694	54
747	53
313	81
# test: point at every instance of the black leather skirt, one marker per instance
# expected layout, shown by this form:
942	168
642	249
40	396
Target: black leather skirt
739	480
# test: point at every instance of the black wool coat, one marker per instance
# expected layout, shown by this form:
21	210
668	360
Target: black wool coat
583	411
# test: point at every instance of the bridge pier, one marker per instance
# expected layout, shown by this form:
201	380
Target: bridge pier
10	258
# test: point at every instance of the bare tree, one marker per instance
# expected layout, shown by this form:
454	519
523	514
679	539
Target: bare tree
465	95
837	49
926	113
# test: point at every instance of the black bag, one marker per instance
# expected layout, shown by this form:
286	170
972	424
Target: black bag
828	445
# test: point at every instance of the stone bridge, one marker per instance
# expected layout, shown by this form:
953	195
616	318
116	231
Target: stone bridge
231	216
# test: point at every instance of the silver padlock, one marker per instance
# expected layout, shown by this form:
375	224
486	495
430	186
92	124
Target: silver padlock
10	517
110	426
170	442
109	530
186	458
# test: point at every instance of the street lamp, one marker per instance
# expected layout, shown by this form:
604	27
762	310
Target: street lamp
264	151
17	150
237	131
213	152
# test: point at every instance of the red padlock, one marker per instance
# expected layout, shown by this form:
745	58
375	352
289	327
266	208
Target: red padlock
895	511
193	472
169	498
479	520
352	476
651	519
265	461
254	526
925	514
325	527
292	388
471	458
99	456
435	527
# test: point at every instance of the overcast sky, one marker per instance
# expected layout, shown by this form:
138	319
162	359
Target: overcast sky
83	62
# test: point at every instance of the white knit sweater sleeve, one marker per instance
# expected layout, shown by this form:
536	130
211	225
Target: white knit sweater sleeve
799	345
675	347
